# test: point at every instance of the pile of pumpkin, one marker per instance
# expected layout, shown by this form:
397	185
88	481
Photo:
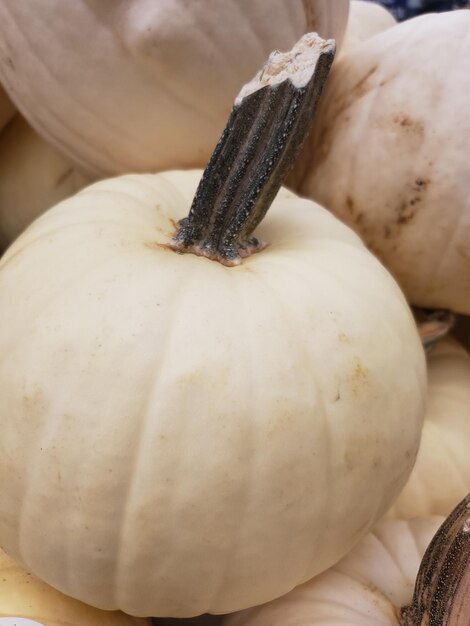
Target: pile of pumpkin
181	435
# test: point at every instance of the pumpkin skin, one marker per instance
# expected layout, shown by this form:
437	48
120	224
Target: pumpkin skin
366	588
33	177
441	476
22	595
7	110
154	89
190	423
365	20
397	106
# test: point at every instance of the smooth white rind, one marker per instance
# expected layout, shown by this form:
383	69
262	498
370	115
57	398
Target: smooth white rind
23	597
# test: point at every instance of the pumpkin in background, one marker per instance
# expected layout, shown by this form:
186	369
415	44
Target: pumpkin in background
33	177
365	19
23	595
366	588
7	110
388	154
151	84
374	582
441	476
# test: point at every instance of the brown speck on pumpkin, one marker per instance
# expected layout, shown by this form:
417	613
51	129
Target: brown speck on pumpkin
409	124
358	378
405	213
359	218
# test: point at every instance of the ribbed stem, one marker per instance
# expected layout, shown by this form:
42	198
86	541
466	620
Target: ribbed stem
268	124
442	591
433	325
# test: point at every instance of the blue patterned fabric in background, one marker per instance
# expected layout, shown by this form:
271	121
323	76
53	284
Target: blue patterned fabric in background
403	9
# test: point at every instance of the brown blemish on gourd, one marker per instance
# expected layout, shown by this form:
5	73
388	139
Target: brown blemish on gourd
359	377
421	184
407	122
408	207
405	213
356	217
387	231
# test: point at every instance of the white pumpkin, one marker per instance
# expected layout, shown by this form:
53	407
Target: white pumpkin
365	19
441	476
181	437
144	85
24	596
389	154
366	588
7	110
33	177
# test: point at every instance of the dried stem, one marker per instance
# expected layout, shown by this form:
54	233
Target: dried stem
442	591
433	325
269	121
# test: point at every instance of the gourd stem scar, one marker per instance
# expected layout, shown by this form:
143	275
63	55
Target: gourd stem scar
267	126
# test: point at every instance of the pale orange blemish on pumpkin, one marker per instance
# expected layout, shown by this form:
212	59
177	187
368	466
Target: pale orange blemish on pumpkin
359	377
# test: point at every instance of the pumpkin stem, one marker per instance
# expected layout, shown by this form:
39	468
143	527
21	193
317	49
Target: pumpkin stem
269	121
433	325
442	591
